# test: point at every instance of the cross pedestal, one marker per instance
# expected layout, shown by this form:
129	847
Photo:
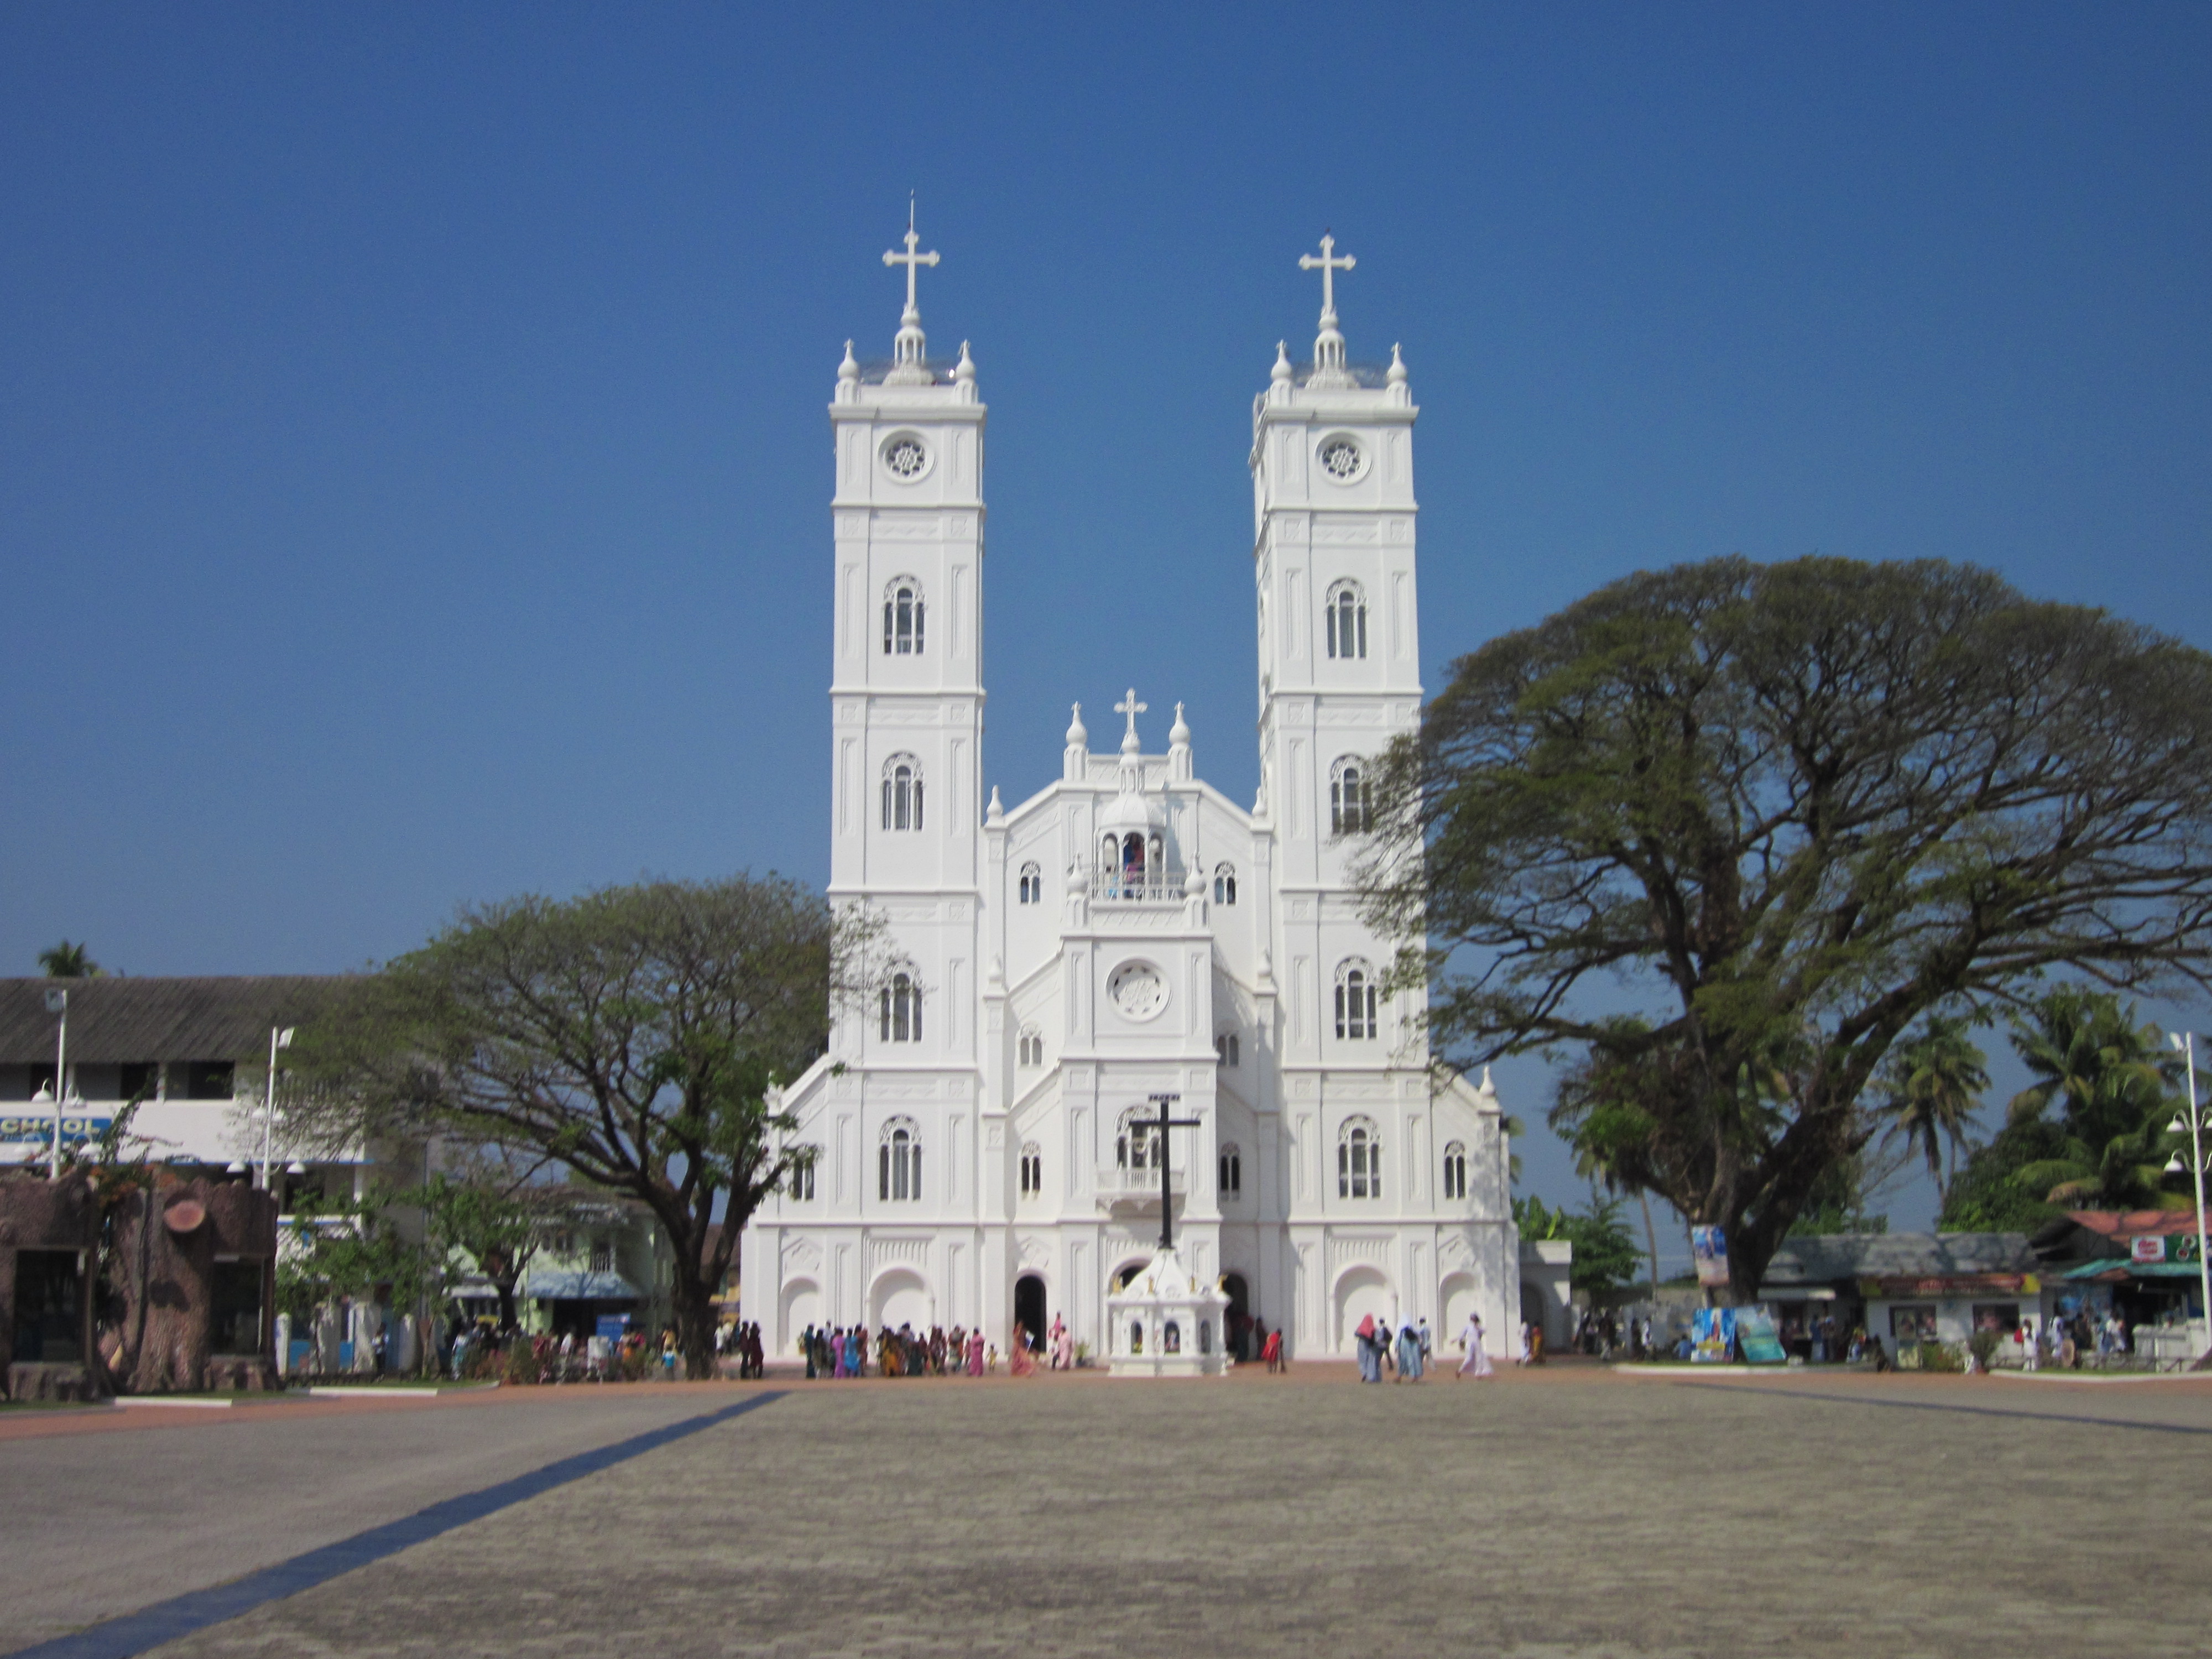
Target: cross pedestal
1165	1322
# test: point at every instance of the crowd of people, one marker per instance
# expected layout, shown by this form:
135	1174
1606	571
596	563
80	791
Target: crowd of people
1403	1355
853	1351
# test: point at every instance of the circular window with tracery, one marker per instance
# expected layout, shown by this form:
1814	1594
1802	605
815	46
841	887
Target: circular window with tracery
906	458
1341	459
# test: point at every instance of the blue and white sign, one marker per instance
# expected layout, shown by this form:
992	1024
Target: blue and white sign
39	1127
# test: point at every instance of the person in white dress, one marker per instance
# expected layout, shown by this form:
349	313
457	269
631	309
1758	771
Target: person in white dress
1477	1363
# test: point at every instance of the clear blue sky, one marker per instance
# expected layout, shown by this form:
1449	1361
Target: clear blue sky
413	462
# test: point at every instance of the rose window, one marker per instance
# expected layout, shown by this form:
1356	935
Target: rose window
1339	459
905	457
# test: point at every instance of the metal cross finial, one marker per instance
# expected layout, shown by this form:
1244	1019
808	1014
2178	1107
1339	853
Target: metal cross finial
910	259
1328	266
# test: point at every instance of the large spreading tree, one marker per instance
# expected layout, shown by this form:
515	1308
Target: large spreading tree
1721	836
636	1036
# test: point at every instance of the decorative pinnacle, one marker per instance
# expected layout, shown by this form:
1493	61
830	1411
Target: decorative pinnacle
1078	736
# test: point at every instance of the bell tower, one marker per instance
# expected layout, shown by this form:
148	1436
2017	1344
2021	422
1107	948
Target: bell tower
906	693
1338	644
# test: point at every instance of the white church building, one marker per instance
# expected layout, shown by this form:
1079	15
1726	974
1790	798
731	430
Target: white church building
1126	931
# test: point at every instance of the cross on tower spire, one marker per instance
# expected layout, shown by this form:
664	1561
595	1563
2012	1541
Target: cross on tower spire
1132	707
908	349
1329	344
1327	265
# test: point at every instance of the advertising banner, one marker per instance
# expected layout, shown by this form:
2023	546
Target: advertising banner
1709	1248
1713	1335
2149	1248
1762	1343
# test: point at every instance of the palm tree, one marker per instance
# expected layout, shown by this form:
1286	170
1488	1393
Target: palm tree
2091	1058
2111	1077
2125	1172
67	961
1935	1083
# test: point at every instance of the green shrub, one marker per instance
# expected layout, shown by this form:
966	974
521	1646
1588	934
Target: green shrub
1985	1347
1941	1357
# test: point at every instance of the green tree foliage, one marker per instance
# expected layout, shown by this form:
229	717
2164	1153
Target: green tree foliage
487	1216
1604	1249
637	1037
2110	1079
1986	1195
1782	814
1933	1083
67	961
347	1247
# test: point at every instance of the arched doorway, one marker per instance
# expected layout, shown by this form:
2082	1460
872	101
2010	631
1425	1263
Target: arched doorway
1461	1297
1030	1307
802	1306
1236	1316
900	1298
1362	1291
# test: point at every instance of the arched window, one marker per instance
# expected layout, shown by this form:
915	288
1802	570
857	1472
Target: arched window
1032	883
1225	1048
1355	1001
1232	1170
902	1009
1348	621
902	618
1455	1170
1348	809
1031	1048
1032	1171
898	1163
1358	1160
901	792
1224	884
1136	1147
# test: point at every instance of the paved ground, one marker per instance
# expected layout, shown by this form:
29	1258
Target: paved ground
1558	1513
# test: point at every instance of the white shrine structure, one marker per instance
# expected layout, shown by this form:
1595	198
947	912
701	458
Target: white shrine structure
1126	931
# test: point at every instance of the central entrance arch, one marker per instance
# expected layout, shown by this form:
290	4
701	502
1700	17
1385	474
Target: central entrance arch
1030	1307
1235	1317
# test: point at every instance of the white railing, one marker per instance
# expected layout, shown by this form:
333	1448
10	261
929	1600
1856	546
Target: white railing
1116	1181
1152	887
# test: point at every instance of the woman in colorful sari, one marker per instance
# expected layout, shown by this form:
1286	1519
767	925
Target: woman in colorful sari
974	1353
1018	1362
1364	1347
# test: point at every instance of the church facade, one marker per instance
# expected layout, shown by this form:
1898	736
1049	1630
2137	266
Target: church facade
1126	932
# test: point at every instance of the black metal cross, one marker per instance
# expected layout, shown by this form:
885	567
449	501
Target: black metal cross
1164	1123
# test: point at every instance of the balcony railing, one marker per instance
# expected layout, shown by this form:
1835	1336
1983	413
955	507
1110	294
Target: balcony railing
1151	887
1118	1184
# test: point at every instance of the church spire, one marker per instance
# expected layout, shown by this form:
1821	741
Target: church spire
1328	369
909	349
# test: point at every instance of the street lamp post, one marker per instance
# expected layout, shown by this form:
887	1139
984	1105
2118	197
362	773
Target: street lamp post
279	1037
58	1003
2186	1043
